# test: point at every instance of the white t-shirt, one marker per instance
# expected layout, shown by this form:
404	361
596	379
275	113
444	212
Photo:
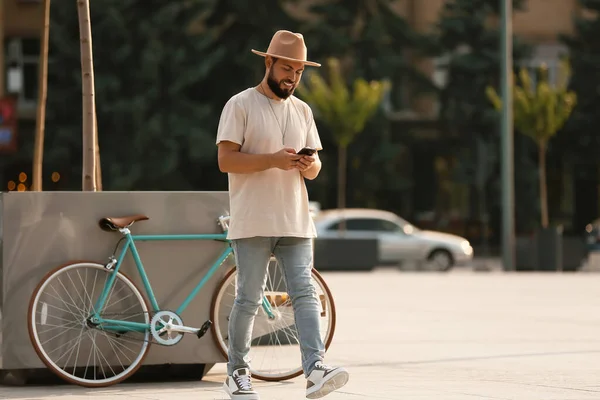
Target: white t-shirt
274	202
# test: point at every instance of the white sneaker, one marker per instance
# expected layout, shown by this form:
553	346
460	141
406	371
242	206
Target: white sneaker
324	380
239	385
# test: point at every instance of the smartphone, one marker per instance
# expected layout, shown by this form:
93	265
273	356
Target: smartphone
307	151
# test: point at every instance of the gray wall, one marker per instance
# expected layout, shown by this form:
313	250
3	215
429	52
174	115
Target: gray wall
41	230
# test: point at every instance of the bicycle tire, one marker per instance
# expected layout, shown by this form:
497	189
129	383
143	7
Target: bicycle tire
34	334
262	375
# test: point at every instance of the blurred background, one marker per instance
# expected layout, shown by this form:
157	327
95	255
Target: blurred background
425	164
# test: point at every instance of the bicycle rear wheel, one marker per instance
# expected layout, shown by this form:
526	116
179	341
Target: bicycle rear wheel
69	344
275	349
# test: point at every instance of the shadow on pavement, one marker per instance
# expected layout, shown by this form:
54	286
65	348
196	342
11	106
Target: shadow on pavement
36	381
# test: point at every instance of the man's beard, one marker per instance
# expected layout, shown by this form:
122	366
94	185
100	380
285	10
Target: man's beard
276	88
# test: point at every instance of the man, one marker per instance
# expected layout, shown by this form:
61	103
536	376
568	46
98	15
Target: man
260	131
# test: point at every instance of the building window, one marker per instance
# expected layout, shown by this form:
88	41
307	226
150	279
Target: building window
22	60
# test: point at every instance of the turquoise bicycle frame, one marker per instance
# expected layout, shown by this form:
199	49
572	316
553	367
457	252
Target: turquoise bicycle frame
119	325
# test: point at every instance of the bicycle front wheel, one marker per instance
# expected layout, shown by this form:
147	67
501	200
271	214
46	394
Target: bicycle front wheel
66	340
275	347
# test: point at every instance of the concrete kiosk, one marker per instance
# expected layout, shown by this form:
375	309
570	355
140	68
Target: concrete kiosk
41	230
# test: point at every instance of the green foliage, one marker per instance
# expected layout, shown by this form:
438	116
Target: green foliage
540	111
371	40
468	36
579	139
470	41
163	71
150	122
577	145
231	28
345	112
234	27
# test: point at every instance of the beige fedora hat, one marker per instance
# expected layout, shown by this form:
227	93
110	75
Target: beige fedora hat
288	46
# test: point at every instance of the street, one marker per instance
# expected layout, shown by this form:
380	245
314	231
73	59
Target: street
425	336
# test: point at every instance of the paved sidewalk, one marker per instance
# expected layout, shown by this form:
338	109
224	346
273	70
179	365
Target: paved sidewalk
425	336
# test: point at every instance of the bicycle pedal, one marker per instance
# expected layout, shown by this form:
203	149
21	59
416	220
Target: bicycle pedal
204	328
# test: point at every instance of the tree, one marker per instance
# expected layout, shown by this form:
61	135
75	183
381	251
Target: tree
150	67
540	110
578	141
89	109
235	27
373	41
468	39
469	43
345	112
38	149
163	71
584	56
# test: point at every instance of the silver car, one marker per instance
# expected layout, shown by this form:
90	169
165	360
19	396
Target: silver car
398	240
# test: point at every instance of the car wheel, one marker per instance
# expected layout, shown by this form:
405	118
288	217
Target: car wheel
440	260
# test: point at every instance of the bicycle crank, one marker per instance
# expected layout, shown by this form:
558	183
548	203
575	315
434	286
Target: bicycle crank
167	328
162	327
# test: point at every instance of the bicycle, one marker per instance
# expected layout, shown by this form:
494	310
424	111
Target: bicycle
90	319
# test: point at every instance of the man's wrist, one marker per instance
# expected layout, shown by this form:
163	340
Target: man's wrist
270	160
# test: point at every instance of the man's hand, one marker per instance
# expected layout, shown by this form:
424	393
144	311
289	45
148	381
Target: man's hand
309	166
285	159
305	163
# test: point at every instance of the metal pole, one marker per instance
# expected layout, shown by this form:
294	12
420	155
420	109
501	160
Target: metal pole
508	205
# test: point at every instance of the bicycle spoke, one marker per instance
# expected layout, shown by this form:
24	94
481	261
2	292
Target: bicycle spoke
75	347
54	327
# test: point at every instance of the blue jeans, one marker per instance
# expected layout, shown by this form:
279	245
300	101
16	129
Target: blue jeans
294	256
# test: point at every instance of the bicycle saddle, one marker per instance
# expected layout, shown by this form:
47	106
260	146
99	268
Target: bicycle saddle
116	223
